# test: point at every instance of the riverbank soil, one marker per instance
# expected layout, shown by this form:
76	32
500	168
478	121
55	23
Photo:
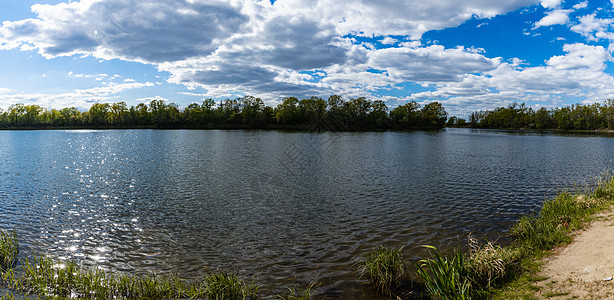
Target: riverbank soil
584	268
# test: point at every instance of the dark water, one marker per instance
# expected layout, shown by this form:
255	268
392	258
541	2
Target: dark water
282	208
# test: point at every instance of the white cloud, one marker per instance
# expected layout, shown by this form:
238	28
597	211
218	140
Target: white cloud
80	98
4	90
551	3
403	17
237	47
581	5
555	17
594	28
150	31
430	64
389	41
578	73
580	56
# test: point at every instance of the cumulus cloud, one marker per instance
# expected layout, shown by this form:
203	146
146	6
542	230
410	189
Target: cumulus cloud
594	28
578	73
555	17
234	47
413	17
388	41
148	31
581	5
551	3
430	64
580	56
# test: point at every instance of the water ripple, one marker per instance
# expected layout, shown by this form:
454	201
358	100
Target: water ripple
283	208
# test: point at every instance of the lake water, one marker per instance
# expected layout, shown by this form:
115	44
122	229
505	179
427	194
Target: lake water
283	209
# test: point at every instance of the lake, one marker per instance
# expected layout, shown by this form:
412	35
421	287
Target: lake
280	208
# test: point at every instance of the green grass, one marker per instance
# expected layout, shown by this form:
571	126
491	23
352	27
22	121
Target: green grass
46	278
298	294
224	286
492	271
385	268
9	249
50	279
445	276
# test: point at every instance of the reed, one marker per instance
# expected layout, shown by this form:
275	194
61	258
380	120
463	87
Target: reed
445	277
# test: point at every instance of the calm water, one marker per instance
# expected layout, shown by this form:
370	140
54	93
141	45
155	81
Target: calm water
281	208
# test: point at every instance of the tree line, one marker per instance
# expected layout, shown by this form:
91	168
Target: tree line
246	112
596	116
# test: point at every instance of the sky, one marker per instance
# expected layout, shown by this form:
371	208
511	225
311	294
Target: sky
467	54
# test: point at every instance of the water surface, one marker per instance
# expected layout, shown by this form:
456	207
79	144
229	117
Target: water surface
281	208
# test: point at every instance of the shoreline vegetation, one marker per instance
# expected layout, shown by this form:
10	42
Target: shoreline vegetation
573	118
483	271
43	277
489	271
313	114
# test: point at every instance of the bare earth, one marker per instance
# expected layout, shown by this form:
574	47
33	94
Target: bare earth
583	269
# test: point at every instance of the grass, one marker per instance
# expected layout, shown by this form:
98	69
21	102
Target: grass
297	294
47	278
226	286
9	249
385	268
492	271
44	277
445	277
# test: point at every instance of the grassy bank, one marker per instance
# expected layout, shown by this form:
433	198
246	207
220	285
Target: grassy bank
489	270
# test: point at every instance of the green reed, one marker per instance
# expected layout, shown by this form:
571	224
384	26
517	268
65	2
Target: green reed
9	249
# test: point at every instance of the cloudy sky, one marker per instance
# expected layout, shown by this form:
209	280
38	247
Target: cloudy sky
468	54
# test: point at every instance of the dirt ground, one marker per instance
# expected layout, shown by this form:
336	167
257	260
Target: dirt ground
583	269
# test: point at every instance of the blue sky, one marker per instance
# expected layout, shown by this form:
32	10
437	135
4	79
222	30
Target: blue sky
470	54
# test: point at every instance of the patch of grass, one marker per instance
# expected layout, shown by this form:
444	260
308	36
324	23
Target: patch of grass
224	286
555	294
511	272
445	276
7	297
9	249
297	294
385	268
535	236
46	278
489	263
560	216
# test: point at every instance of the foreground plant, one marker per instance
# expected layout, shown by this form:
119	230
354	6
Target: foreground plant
445	277
9	249
488	263
47	278
385	268
224	286
559	217
297	294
